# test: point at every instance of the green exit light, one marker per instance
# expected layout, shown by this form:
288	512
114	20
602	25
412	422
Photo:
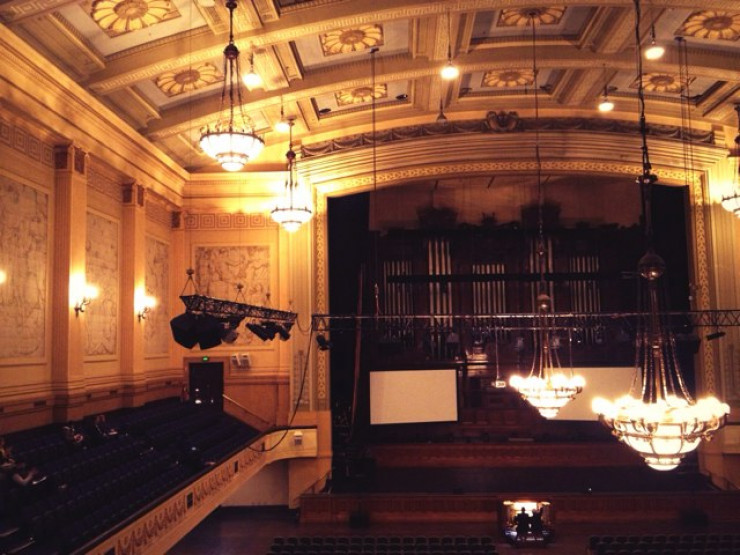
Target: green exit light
206	359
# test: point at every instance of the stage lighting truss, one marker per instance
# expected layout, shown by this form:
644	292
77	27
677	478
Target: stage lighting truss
678	321
230	310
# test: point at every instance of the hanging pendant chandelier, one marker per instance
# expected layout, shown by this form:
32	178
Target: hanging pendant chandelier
294	208
547	388
231	141
658	417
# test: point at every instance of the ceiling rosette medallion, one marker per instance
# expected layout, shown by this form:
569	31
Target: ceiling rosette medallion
174	83
521	17
361	94
712	24
117	17
351	39
661	83
508	78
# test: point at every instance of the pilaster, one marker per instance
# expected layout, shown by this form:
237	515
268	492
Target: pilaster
70	209
133	272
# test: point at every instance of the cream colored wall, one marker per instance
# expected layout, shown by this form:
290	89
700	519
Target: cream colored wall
84	165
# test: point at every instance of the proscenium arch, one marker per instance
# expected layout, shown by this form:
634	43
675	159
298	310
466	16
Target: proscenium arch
563	152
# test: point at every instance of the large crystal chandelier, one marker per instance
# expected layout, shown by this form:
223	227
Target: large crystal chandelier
232	140
658	417
547	388
294	208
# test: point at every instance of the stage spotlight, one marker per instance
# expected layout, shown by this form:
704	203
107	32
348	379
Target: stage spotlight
715	335
184	329
189	329
323	343
283	331
265	331
210	331
229	334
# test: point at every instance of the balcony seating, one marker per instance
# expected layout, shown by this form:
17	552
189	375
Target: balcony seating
159	448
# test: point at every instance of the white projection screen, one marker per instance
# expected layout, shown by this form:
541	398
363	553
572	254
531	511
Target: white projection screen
413	396
610	383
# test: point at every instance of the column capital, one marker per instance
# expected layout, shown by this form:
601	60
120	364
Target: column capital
133	194
70	158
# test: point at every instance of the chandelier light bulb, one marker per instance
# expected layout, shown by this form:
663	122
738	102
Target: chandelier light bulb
654	51
606	105
252	79
731	203
283	126
449	71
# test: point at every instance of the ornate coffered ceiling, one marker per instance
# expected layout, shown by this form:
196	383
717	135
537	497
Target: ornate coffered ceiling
158	63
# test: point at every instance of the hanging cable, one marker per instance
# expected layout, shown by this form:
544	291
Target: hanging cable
647	179
376	289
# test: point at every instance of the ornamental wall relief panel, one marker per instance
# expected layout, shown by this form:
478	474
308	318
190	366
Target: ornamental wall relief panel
101	270
157	331
219	268
24	272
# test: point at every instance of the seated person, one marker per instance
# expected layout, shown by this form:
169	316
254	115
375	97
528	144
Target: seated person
24	475
536	523
102	428
6	456
72	436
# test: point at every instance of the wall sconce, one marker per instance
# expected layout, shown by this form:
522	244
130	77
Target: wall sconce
3	276
143	305
83	294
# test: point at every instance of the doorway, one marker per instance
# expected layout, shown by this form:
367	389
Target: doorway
207	383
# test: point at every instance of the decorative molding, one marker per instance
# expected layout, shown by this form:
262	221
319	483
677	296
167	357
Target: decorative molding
158	213
699	204
225	220
366	181
159	529
321	287
103	183
26	143
498	122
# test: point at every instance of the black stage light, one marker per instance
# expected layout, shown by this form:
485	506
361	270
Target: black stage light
184	329
261	331
229	333
283	331
210	331
715	335
323	343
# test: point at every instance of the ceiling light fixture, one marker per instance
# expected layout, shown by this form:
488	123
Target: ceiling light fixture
450	70
441	118
294	209
655	51
252	79
284	124
232	140
658	417
547	387
606	105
